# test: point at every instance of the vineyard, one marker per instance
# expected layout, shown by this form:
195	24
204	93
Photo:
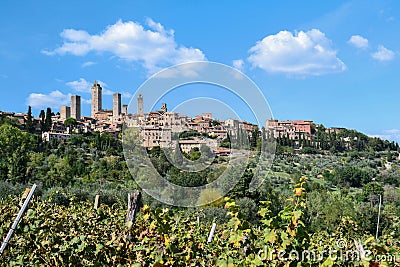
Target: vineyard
329	219
77	234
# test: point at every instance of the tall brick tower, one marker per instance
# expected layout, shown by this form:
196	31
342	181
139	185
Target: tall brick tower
116	105
96	98
140	108
65	112
125	109
164	107
76	107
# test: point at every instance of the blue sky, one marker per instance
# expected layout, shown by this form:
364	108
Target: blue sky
334	62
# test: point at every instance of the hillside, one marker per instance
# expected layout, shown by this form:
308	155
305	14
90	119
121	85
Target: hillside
346	174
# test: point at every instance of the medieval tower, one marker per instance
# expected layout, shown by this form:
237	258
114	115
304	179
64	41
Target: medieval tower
96	98
116	105
140	108
76	107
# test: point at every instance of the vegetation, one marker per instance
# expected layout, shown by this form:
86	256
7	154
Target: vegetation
348	173
76	234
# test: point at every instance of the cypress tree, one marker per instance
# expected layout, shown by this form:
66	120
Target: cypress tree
389	155
42	117
48	121
287	140
280	139
178	158
29	122
301	140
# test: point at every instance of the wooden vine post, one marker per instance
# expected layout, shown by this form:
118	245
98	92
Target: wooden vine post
212	232
133	206
27	196
134	199
96	202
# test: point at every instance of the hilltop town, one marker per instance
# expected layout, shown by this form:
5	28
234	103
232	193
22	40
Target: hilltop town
157	127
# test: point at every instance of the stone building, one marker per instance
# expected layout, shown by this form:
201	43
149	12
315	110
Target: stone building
125	109
47	136
140	106
187	145
65	112
295	129
76	107
96	98
116	106
103	115
155	136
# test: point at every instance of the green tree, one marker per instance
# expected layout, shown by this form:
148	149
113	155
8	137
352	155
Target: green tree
178	158
351	176
70	123
323	212
42	117
254	137
372	189
389	156
195	154
29	123
48	121
226	143
14	148
59	173
189	179
35	168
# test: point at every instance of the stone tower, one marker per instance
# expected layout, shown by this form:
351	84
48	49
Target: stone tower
140	108
96	98
76	107
164	107
125	109
65	112
116	105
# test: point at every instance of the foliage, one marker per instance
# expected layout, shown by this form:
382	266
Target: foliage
14	148
29	121
70	122
347	172
79	235
351	176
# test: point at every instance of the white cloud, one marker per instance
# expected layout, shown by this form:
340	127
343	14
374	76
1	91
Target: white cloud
84	86
126	95
305	53
190	70
103	85
88	63
80	85
358	41
153	47
238	64
158	27
106	91
86	101
54	99
383	54
392	135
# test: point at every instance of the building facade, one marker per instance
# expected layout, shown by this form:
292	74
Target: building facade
47	136
294	129
155	136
